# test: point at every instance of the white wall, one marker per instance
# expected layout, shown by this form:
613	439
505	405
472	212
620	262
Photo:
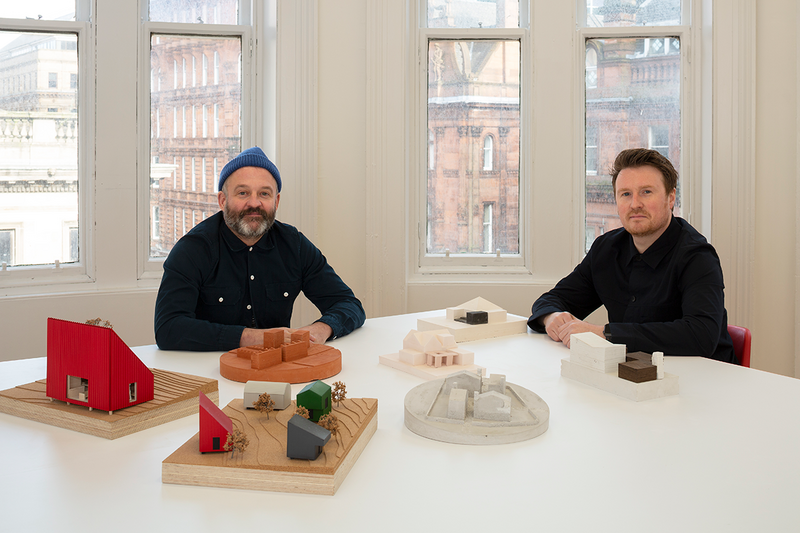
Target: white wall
344	215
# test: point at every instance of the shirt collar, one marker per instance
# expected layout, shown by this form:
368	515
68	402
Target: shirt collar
237	245
656	252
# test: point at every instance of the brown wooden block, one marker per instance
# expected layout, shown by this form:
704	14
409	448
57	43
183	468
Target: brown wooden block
639	356
637	371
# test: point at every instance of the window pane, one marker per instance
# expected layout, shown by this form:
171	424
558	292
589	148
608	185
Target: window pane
195	11
179	153
39	146
473	13
608	13
473	92
636	103
39	9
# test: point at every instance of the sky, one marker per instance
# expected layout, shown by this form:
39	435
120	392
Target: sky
48	9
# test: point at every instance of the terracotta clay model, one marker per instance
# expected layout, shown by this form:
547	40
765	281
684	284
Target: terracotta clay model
474	320
430	355
215	426
467	408
285	356
316	397
305	439
90	365
596	362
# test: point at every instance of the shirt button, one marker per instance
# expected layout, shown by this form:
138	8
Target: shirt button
248	306
252	278
251	248
220	298
633	299
285	294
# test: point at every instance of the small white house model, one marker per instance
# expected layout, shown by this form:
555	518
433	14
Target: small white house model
489	398
595	352
280	393
474	320
430	355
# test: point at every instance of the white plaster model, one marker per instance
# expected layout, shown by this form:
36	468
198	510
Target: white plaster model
433	410
595	362
280	393
595	352
500	323
430	355
658	360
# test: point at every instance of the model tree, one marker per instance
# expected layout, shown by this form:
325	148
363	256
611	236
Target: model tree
236	442
264	404
329	422
302	411
339	392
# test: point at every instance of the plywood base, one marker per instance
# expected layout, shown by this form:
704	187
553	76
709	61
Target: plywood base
322	362
424	371
610	382
264	465
473	332
175	396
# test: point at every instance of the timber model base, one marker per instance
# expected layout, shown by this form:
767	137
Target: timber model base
322	362
264	465
175	396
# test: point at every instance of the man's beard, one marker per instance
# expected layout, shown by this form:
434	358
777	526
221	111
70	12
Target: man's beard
237	223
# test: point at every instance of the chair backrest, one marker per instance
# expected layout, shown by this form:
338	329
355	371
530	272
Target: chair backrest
741	343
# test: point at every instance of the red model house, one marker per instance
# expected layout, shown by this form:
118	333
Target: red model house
90	365
214	426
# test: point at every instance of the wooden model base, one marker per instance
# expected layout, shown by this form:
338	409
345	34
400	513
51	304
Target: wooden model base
424	371
175	397
264	465
472	332
322	362
610	382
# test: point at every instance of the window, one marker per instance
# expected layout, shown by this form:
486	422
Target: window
635	102
224	29
43	132
472	87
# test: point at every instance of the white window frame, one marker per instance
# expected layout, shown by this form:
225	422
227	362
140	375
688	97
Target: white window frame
423	264
693	115
251	15
16	278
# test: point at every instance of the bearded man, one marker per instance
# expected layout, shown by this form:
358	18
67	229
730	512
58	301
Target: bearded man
658	278
239	271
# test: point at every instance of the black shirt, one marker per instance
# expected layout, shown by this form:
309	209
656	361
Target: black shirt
668	299
214	285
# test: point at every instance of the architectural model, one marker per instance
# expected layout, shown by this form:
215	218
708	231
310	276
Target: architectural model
266	464
215	426
281	393
596	362
316	397
430	355
90	365
474	320
287	355
468	408
95	384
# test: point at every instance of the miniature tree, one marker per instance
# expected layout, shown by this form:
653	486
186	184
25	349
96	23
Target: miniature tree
330	422
236	441
339	392
302	411
100	322
264	404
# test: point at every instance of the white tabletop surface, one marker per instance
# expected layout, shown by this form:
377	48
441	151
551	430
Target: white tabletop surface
723	455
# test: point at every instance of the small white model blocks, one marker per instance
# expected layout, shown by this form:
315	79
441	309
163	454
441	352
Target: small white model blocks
430	355
466	408
280	393
474	320
594	361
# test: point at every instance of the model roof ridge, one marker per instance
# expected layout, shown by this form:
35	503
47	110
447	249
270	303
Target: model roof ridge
479	304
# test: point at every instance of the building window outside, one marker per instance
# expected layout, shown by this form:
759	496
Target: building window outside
487	228
7	246
658	139
488	148
592	133
73	81
52	80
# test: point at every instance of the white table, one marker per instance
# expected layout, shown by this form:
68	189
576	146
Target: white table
723	455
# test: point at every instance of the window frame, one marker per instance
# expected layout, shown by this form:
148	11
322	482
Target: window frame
248	30
82	271
422	264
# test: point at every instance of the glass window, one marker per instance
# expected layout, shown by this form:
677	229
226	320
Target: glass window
39	9
488	146
195	11
473	14
7	246
611	13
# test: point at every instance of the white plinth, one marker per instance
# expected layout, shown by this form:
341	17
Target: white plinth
424	371
610	382
472	332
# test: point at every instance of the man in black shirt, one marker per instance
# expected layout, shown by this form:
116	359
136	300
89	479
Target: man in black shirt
659	279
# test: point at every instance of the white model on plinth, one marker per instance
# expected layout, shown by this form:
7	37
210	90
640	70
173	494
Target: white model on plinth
474	320
594	361
467	408
431	355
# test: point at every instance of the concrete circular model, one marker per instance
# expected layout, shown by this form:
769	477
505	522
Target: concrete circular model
426	414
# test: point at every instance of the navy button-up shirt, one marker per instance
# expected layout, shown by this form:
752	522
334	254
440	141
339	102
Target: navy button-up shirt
668	299
214	285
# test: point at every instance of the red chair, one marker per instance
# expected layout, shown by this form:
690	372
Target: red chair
741	343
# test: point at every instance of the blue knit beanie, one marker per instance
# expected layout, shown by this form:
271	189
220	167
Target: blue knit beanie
252	157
